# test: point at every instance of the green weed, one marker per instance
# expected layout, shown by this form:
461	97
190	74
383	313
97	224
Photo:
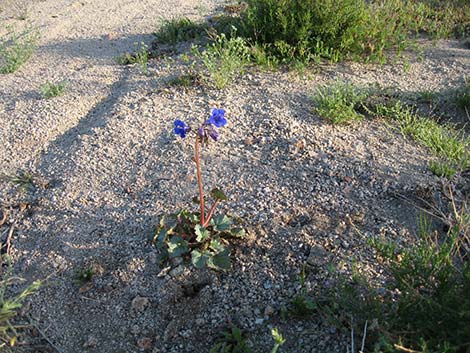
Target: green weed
424	307
50	89
180	30
427	96
224	59
262	57
462	96
186	80
16	49
339	102
442	169
302	305
10	304
443	140
233	341
278	340
140	56
84	275
23	180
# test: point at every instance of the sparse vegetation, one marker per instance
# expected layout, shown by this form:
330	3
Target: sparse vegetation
424	307
180	30
302	305
223	59
232	341
24	180
84	275
339	102
16	49
442	169
235	341
11	303
462	97
140	56
186	80
50	89
443	140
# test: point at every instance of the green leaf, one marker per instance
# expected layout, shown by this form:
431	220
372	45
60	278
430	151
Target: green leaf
217	246
177	246
237	232
218	194
193	218
221	223
201	233
169	222
219	261
160	237
199	258
162	257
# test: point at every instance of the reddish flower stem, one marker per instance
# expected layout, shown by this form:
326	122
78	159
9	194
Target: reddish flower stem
211	212
199	181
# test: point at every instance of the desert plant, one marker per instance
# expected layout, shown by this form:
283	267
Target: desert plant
179	30
339	102
462	96
278	340
16	49
349	28
443	140
199	235
232	341
84	275
50	89
442	169
140	56
24	180
223	59
423	308
10	304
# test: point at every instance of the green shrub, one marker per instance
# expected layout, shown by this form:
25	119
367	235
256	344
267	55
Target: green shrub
50	90
339	102
338	29
179	30
425	307
223	59
16	49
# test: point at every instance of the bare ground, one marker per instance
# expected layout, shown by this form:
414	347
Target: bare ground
106	164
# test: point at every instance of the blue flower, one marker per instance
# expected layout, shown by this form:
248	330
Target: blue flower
181	128
217	118
213	133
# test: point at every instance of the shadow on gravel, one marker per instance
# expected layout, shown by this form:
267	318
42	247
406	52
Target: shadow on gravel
101	49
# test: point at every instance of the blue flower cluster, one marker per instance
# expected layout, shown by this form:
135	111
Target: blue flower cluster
217	119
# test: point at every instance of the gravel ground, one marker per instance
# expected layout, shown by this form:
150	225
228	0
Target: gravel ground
106	164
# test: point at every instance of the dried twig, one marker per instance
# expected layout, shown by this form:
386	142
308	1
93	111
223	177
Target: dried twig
43	335
4	217
364	338
404	349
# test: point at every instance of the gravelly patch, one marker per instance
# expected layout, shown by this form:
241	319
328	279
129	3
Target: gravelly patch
107	149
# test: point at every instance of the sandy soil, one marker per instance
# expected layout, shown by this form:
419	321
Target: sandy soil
106	163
